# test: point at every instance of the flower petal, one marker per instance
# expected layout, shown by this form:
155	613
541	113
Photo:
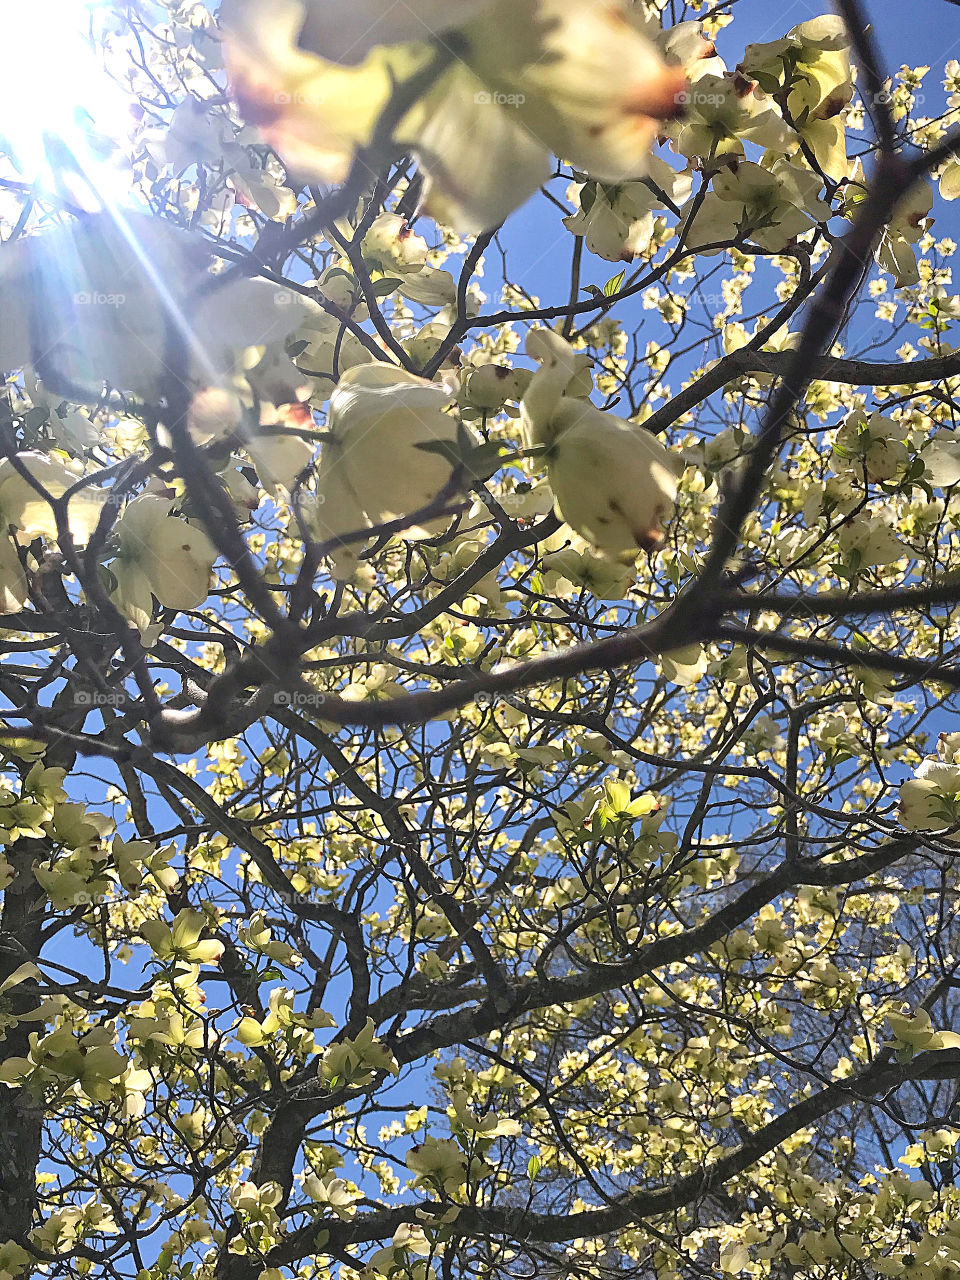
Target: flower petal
181	559
541	400
365	394
588	82
314	112
22	505
279	459
347	33
613	482
132	594
379	416
13	583
336	511
480	159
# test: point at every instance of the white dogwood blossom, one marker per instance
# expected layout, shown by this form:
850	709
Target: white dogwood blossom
214	412
26	502
811	62
159	555
613	482
14	591
379	418
686	44
336	511
282	456
723	112
810	70
491	385
930	801
870	541
617	221
28	487
941	459
910	220
771	206
872	443
392	246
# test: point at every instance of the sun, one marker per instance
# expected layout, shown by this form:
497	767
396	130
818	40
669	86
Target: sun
60	110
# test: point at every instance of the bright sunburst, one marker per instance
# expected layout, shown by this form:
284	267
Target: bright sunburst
58	106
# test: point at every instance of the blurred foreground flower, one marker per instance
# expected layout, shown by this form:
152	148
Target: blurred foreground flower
94	301
580	78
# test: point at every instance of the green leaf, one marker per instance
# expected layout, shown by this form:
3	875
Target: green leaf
476	460
108	579
445	448
767	82
588	197
614	284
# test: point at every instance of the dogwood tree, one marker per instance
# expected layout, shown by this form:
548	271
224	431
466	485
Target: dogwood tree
478	602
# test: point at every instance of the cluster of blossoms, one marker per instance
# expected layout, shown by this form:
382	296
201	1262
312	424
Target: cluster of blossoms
561	830
26	515
481	92
393	446
596	83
